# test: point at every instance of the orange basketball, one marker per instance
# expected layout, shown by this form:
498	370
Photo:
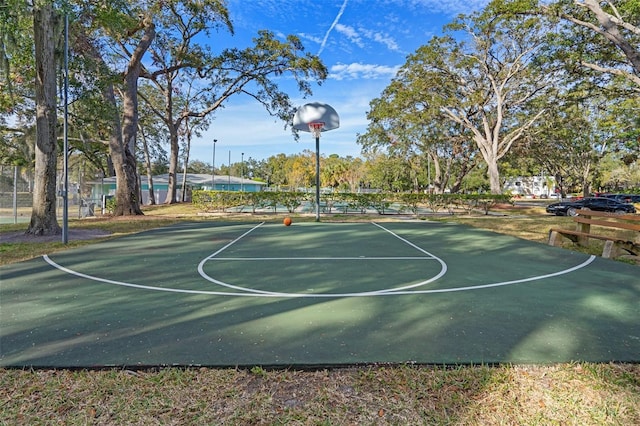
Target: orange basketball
287	221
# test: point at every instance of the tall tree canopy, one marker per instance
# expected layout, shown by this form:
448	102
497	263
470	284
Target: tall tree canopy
605	35
476	81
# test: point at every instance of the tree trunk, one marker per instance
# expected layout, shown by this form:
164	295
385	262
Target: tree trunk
187	148
586	182
174	127
147	164
118	156
494	177
489	150
436	185
128	188
43	213
173	168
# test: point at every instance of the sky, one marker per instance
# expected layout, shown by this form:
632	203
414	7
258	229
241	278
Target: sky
361	42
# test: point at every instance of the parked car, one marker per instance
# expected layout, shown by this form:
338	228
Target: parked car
601	204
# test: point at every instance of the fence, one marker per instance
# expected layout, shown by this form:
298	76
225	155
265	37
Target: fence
346	202
16	196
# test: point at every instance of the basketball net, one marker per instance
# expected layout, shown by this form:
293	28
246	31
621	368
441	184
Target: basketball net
316	128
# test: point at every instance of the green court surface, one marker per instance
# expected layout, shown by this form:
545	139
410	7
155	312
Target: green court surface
317	294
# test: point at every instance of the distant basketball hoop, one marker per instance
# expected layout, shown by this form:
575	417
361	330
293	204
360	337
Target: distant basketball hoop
316	118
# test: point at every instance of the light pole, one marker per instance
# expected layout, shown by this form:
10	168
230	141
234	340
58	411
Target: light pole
213	165
242	171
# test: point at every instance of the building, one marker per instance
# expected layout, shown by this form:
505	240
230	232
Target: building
107	186
531	186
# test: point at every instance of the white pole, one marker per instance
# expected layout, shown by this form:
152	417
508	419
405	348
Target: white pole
318	177
15	194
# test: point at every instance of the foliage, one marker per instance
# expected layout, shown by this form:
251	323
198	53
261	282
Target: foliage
211	201
110	205
477	83
419	137
603	36
346	202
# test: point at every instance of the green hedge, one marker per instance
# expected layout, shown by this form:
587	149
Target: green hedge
345	202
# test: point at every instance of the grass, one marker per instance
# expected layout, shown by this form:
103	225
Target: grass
567	394
560	394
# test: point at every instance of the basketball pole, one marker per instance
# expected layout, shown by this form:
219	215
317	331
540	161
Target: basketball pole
65	146
318	177
316	117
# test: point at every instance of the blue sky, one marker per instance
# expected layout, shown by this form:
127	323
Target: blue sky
362	43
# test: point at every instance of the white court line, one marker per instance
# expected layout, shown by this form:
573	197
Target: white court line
386	292
305	295
254	259
443	270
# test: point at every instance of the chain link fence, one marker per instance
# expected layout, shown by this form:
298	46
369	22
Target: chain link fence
16	196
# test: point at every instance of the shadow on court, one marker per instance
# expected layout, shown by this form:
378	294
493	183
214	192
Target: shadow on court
317	294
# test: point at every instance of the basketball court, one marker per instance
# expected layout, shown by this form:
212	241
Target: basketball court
317	294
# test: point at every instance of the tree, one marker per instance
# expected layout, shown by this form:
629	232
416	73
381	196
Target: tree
387	173
152	133
16	63
606	32
479	85
140	34
199	167
204	81
301	170
341	173
29	84
275	170
567	145
401	123
595	113
178	72
121	23
494	83
43	214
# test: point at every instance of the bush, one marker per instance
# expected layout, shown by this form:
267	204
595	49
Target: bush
210	201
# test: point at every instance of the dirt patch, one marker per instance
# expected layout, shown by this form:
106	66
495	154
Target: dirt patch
72	234
506	206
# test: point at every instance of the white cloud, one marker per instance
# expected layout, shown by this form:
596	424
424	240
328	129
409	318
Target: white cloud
309	37
383	39
356	71
355	35
351	34
450	7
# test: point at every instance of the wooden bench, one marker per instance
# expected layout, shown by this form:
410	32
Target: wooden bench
613	245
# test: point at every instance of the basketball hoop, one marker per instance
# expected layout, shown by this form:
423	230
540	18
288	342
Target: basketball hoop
316	128
314	118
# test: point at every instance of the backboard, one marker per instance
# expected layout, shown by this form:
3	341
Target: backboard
316	112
